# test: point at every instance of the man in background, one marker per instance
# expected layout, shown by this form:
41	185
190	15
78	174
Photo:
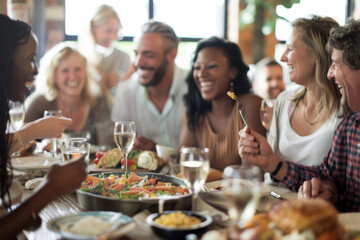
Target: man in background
153	96
268	79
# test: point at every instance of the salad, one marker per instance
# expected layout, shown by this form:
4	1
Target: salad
130	186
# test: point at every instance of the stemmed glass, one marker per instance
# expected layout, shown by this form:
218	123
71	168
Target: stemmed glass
195	165
124	135
56	113
241	185
266	109
17	114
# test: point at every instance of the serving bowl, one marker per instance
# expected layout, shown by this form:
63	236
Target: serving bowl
94	202
179	233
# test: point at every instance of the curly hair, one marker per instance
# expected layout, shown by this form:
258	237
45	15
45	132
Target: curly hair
315	34
196	106
346	39
13	34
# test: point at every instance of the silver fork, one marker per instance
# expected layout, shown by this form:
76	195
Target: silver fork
239	106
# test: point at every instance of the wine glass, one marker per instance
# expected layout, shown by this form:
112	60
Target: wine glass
195	166
124	135
17	114
241	185
52	113
267	106
74	148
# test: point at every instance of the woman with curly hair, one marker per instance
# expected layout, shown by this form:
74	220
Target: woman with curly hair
212	118
18	48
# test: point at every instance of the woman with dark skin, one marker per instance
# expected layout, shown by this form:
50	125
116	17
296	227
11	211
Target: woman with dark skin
212	117
18	48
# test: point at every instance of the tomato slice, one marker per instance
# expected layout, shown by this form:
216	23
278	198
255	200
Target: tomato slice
99	154
129	162
96	160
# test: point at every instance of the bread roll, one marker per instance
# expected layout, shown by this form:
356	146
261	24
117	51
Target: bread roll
302	214
149	160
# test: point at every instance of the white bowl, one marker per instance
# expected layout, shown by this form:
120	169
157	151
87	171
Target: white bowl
164	152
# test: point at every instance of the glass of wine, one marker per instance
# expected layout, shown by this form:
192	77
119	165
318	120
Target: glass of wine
53	113
195	166
124	135
17	114
74	148
241	185
266	109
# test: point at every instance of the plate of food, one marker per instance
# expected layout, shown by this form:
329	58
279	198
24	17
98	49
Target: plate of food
312	218
91	225
213	193
33	162
113	160
178	224
132	192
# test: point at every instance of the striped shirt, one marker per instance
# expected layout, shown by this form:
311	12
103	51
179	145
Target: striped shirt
341	165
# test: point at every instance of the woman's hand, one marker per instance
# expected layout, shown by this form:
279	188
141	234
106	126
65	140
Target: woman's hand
65	178
112	79
253	148
144	143
48	127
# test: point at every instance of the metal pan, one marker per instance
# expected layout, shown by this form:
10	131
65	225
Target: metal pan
94	202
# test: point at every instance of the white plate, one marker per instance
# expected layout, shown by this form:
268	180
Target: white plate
121	221
217	198
350	220
33	162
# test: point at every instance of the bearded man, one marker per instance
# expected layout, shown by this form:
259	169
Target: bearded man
153	97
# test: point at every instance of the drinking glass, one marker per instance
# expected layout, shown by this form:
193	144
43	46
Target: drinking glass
241	185
195	165
17	114
266	109
74	148
56	113
124	135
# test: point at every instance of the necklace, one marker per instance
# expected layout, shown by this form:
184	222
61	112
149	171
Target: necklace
304	115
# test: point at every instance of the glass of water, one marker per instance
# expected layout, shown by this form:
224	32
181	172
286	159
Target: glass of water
53	113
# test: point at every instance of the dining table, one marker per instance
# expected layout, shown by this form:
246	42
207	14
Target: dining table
69	204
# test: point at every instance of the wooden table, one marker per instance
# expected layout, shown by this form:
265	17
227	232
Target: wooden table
68	204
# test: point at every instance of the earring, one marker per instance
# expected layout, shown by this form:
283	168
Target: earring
231	86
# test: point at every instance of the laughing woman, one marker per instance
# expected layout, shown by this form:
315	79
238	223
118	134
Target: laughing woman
18	48
212	118
64	84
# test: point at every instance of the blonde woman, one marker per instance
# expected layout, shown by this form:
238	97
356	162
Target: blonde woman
96	43
63	84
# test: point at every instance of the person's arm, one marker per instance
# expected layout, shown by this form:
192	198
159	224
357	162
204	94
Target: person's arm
187	137
49	127
55	185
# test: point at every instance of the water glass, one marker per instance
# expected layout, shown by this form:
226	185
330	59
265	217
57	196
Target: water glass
74	148
53	113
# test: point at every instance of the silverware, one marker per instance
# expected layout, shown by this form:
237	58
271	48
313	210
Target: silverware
239	106
276	195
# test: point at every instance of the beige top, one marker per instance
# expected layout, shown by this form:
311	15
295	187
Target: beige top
222	146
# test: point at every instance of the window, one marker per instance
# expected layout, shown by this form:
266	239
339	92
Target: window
191	20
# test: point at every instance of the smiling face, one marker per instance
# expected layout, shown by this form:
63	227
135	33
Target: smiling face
106	33
70	76
300	62
151	61
24	69
213	73
348	80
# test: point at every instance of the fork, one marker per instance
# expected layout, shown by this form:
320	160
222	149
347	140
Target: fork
239	106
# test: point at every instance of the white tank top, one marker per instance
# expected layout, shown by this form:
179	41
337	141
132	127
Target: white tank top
307	150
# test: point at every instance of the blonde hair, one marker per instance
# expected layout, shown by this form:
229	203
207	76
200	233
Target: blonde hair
86	40
49	63
315	34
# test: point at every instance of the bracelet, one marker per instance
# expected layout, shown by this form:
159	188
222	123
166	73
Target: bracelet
277	169
19	139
